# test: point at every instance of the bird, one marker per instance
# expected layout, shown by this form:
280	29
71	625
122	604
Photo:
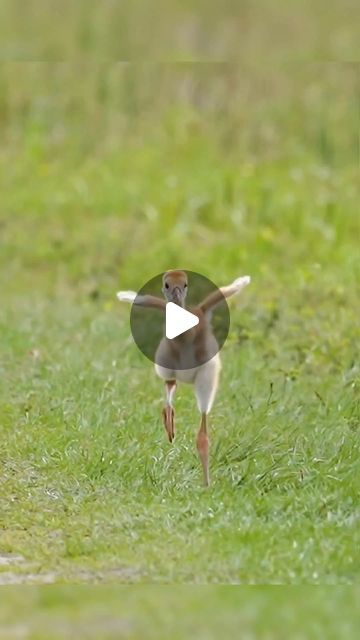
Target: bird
192	357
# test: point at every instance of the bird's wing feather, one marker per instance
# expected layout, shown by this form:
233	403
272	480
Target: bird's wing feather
152	302
239	284
126	296
216	297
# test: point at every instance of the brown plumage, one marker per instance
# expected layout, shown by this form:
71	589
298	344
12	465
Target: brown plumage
191	357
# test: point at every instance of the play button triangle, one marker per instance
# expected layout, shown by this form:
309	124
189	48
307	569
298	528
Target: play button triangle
178	320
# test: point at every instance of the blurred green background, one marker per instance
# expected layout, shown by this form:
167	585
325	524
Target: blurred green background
263	32
197	164
150	611
221	138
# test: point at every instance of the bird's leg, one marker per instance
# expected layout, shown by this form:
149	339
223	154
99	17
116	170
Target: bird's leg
168	411
206	382
202	443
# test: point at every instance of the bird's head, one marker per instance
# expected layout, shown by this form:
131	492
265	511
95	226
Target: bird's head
175	286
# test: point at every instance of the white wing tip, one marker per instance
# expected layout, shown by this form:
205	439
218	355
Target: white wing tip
242	282
126	296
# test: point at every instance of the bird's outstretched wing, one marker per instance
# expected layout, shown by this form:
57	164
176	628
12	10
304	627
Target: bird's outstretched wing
216	297
153	302
126	296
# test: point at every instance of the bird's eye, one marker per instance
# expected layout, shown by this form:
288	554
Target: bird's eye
166	285
185	285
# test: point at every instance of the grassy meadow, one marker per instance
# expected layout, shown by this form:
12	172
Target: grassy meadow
113	172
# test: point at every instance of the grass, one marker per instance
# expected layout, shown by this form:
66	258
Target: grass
150	611
109	174
256	33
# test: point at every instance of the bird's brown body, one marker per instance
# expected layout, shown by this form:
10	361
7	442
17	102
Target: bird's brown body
190	349
191	357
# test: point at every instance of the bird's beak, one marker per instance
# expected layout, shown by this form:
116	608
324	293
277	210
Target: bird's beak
176	294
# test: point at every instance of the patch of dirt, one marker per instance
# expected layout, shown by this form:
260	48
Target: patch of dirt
93	628
7	559
15	632
62	629
7	578
116	574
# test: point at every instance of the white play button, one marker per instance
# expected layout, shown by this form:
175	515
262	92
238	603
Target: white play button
178	320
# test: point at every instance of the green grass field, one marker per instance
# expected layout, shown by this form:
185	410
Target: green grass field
109	174
160	612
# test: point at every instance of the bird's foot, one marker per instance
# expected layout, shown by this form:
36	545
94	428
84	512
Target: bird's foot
203	450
